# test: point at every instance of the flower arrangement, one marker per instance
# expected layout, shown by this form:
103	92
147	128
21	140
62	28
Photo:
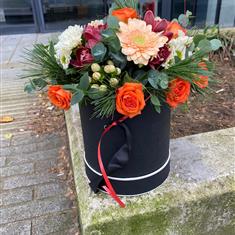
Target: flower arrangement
118	63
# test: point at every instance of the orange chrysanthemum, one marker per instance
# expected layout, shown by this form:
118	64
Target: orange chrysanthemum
139	43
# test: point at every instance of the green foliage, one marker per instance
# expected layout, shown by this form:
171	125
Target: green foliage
112	22
188	68
111	40
99	51
77	97
118	59
215	44
156	103
42	68
184	19
104	106
158	79
126	3
84	82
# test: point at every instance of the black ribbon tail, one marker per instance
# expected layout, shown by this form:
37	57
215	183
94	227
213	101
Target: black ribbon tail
118	161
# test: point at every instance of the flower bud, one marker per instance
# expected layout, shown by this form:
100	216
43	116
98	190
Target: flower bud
110	62
109	68
95	86
103	88
95	67
96	76
113	82
90	79
118	70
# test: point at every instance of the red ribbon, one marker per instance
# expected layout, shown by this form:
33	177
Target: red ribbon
109	188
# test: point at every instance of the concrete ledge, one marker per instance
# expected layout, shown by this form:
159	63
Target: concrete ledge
197	198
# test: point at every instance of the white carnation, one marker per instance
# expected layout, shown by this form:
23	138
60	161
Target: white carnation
96	23
68	40
178	47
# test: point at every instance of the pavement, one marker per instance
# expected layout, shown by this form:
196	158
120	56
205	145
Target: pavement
32	197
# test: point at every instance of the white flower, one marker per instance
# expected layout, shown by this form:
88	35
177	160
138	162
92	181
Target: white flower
178	48
96	23
68	40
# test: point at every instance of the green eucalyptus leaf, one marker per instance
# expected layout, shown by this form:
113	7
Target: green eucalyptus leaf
77	97
108	34
215	44
157	108
153	78
183	20
29	88
155	101
197	38
95	93
99	52
157	79
71	87
205	45
112	22
118	59
188	13
84	81
164	81
114	45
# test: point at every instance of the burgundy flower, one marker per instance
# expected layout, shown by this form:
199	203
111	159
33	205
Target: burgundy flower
161	57
158	25
92	34
83	57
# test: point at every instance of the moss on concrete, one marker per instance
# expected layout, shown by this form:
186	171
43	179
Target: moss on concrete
185	204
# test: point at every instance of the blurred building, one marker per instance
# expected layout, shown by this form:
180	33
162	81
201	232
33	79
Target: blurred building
22	16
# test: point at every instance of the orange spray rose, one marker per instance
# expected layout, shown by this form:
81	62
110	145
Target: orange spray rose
124	14
202	82
59	97
178	93
174	27
130	99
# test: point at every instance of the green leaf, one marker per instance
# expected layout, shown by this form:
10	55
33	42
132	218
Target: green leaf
112	22
205	46
153	78
99	52
155	101
107	34
114	45
197	38
71	71
71	87
119	59
157	79
29	88
183	20
95	94
84	81
77	97
141	75
157	109
215	44
163	80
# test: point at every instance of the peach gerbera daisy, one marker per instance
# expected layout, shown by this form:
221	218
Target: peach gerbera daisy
139	43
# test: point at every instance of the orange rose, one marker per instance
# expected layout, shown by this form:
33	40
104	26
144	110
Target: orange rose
59	97
202	82
174	28
124	14
178	93
130	99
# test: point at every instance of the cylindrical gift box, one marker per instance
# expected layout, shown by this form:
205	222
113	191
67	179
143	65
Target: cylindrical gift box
149	159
